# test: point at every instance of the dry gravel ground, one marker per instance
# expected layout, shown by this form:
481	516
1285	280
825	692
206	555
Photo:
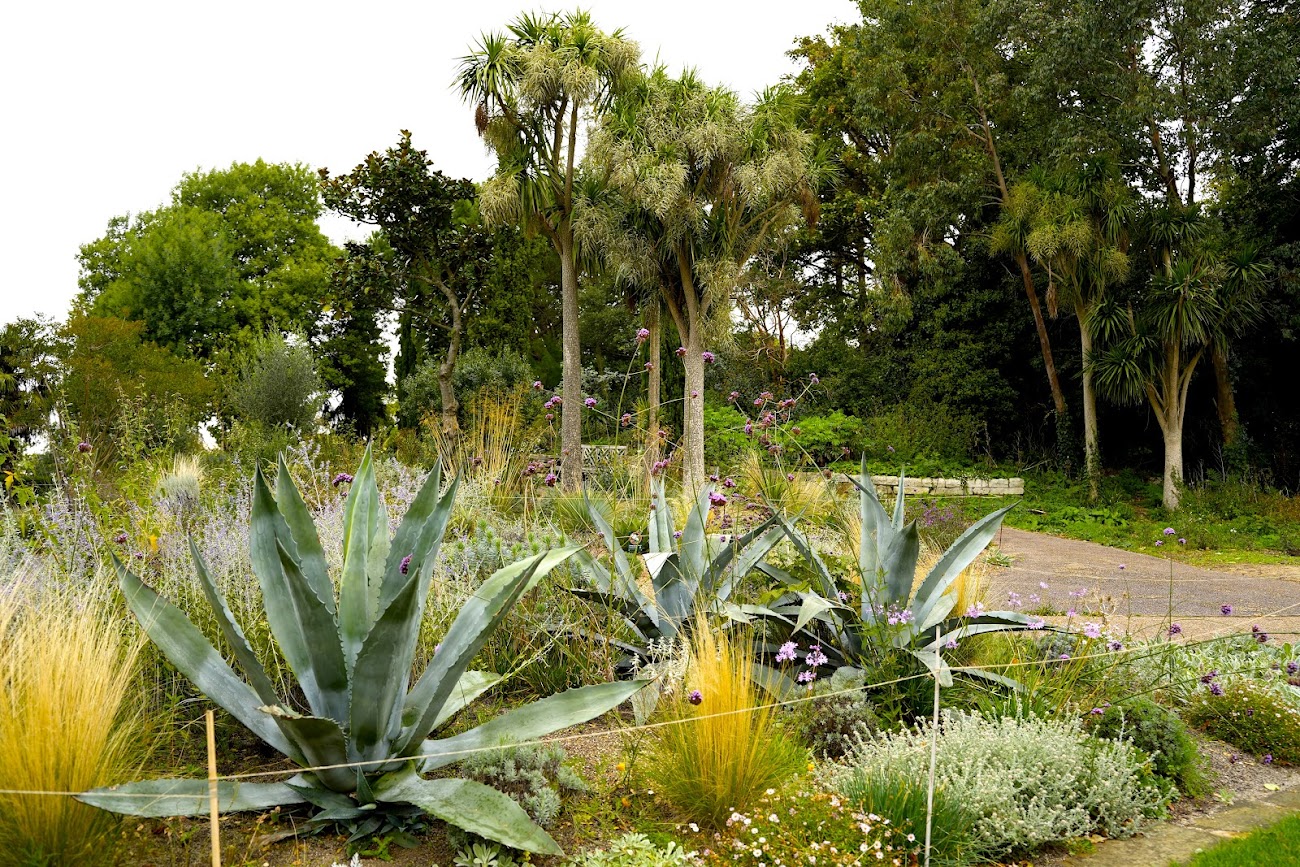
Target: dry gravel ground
1135	590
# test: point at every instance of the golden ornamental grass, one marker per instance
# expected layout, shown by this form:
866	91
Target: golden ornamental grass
709	765
67	723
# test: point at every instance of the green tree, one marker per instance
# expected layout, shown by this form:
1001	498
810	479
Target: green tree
532	87
277	385
696	186
29	379
235	252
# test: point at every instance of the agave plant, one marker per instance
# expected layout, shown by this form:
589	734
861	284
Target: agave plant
365	738
688	571
886	609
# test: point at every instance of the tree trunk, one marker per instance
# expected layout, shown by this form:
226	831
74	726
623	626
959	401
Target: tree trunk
653	448
571	409
1173	431
693	412
1044	340
450	406
1091	448
1225	398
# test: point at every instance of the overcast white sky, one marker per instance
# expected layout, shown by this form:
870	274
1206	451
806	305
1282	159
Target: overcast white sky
105	105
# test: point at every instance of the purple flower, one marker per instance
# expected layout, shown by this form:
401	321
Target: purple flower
1175	629
589	403
649	365
1209	676
1122	567
1225	609
787	652
1064	657
749	428
708	357
550	416
626	419
681	352
537	385
1159	542
1098	711
728	482
139	555
342	479
1036	623
406	564
550	480
1092	630
83	447
1114	646
733	396
695	697
1268	758
889	449
1215	689
694	393
716	499
1261	637
789	477
1292	667
120	538
813	379
951	644
1169	531
1042	585
806	677
815	656
1182	541
677	534
975	610
642	335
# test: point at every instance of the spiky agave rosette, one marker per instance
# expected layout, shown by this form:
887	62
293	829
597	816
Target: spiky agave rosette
367	740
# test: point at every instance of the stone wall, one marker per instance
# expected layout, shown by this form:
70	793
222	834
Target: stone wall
888	486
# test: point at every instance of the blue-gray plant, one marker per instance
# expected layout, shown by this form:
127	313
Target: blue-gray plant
886	613
366	741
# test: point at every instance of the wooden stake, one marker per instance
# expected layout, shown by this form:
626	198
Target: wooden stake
213	805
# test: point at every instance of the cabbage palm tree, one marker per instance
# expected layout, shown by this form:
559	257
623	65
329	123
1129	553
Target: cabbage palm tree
697	185
531	88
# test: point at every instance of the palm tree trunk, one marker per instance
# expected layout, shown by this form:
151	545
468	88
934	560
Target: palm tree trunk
1225	397
1091	448
1044	340
653	450
693	411
1173	462
571	409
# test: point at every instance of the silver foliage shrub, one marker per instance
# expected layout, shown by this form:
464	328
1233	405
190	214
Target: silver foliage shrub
1028	781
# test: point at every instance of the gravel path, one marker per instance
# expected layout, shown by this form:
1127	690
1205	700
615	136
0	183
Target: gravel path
1124	584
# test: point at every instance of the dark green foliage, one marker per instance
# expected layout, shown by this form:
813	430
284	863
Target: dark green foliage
830	726
1249	716
1158	731
724	436
827	438
29	376
536	777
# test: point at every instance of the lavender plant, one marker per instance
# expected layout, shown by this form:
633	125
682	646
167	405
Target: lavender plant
366	738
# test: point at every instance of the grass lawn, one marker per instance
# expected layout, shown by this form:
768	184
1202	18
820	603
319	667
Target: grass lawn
1277	846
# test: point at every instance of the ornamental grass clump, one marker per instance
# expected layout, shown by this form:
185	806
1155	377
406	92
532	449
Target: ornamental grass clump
1248	715
1026	782
722	748
65	725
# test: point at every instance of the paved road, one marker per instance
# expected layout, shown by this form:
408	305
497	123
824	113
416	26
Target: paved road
1129	585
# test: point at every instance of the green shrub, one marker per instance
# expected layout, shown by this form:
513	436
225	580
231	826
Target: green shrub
1159	732
907	433
1250	716
476	369
633	850
536	777
724	436
824	438
830	727
1028	781
276	385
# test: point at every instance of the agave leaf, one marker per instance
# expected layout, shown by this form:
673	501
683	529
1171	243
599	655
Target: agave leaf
305	547
774	682
900	501
929	607
176	797
301	621
419	536
621	566
470	686
643	621
875	525
992	677
322	744
600	576
478	617
381	675
693	547
365	547
746	550
471	806
812	606
822	574
232	633
932	660
187	649
532	721
898	563
661	520
990	621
